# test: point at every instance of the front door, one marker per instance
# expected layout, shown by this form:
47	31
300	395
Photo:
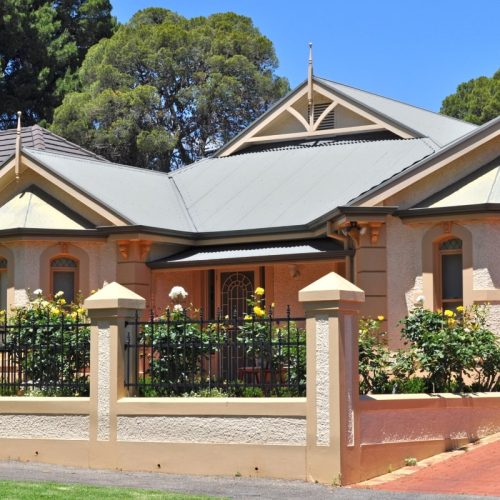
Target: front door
236	287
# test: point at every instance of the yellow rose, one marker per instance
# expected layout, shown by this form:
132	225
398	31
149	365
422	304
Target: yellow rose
258	312
247	317
381	317
80	311
61	301
451	321
448	313
460	309
259	291
55	310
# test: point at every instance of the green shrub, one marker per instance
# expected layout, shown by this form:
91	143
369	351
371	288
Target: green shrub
445	351
49	346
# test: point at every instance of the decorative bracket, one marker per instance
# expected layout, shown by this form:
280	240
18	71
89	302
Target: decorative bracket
124	248
375	232
144	247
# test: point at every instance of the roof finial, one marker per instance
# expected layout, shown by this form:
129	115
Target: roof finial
18	146
310	86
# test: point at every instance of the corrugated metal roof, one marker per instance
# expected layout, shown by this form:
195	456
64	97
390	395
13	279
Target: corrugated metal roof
440	128
290	187
40	138
252	191
141	196
321	248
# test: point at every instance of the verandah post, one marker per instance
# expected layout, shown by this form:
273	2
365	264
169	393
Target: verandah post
332	305
109	309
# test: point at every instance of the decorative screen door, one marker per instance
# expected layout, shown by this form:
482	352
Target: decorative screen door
235	288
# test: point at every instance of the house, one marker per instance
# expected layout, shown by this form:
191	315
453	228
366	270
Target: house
402	201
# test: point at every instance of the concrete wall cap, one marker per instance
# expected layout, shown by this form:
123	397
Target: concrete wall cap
332	286
114	296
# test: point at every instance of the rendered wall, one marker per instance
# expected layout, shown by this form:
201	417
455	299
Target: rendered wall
395	427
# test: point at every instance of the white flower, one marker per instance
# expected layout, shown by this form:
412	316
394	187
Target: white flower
178	308
177	293
420	299
59	294
38	291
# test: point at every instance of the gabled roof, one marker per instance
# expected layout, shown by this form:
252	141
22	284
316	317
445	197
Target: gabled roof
42	139
440	128
142	197
365	112
270	188
248	192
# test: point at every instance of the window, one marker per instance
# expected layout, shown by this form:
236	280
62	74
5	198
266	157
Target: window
450	275
64	277
3	283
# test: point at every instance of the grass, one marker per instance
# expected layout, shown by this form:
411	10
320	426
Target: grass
21	490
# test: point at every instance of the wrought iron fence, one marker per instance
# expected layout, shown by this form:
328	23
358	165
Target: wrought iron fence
44	356
177	355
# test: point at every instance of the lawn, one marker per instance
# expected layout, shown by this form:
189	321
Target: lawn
20	490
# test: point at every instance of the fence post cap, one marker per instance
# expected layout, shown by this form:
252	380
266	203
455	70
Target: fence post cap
114	296
332	286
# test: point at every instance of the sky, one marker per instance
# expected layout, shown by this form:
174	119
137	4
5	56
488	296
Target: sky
416	51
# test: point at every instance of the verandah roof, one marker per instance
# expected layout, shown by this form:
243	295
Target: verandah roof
264	252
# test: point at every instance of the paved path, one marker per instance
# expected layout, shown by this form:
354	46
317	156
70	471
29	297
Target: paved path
229	487
475	471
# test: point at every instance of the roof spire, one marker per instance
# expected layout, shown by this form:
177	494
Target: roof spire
310	86
18	146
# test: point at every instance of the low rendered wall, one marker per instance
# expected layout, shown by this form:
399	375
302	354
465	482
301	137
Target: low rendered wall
252	437
395	427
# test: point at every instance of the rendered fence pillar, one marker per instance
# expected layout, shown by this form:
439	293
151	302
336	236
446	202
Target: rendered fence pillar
108	310
331	305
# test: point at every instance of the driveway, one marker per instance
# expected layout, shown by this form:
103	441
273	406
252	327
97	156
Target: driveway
230	487
474	471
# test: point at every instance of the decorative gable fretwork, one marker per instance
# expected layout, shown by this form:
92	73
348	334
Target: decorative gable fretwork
302	118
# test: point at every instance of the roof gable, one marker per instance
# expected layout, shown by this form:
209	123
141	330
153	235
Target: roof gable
330	115
34	209
338	110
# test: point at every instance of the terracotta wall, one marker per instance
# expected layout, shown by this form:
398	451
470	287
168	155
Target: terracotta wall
163	281
283	282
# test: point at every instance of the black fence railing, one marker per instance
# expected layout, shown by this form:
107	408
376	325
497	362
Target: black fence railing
45	356
176	355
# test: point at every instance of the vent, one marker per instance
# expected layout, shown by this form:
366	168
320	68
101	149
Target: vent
329	120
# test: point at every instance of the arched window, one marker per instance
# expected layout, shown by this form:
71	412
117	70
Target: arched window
450	275
64	277
3	283
236	288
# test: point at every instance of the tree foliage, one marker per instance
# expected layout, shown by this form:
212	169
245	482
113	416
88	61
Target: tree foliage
42	43
165	89
476	101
